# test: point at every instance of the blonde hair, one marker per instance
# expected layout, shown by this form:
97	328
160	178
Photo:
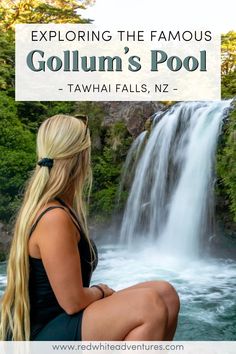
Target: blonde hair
66	140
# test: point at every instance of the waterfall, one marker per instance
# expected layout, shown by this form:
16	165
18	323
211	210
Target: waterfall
171	199
131	160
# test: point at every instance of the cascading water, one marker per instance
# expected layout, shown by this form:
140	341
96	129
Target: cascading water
171	197
131	159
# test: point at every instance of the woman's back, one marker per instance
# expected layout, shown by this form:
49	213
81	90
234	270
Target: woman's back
43	303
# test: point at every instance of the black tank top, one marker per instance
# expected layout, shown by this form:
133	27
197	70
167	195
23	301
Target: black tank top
43	303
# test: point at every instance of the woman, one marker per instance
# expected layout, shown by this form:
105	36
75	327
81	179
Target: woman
48	294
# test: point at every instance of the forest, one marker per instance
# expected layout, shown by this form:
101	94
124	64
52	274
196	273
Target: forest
19	122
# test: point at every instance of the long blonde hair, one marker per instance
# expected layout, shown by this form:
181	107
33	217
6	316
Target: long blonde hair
66	140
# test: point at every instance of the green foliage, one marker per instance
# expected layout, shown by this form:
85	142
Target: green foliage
104	202
107	166
96	116
226	158
33	113
7	60
18	124
228	53
228	65
37	11
228	85
17	151
117	136
226	164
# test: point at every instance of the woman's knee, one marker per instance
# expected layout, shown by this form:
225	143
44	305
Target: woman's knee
152	308
168	292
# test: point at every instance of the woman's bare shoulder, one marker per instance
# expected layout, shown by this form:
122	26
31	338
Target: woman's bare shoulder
52	214
55	226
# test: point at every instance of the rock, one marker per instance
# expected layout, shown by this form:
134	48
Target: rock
133	113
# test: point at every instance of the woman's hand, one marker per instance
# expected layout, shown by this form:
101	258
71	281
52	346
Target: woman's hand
107	291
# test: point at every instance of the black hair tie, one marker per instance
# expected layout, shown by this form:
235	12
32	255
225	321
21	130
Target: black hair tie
46	162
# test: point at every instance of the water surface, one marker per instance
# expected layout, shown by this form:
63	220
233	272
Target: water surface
206	288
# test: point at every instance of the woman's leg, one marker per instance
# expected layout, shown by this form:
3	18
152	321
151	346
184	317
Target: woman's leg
170	298
135	314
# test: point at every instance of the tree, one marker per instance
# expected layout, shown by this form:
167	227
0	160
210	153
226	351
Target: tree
17	150
228	85
228	53
30	11
7	61
228	65
37	11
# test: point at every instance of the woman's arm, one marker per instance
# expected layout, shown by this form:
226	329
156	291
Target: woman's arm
57	239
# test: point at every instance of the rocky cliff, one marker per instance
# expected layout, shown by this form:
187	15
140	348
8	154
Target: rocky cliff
133	113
